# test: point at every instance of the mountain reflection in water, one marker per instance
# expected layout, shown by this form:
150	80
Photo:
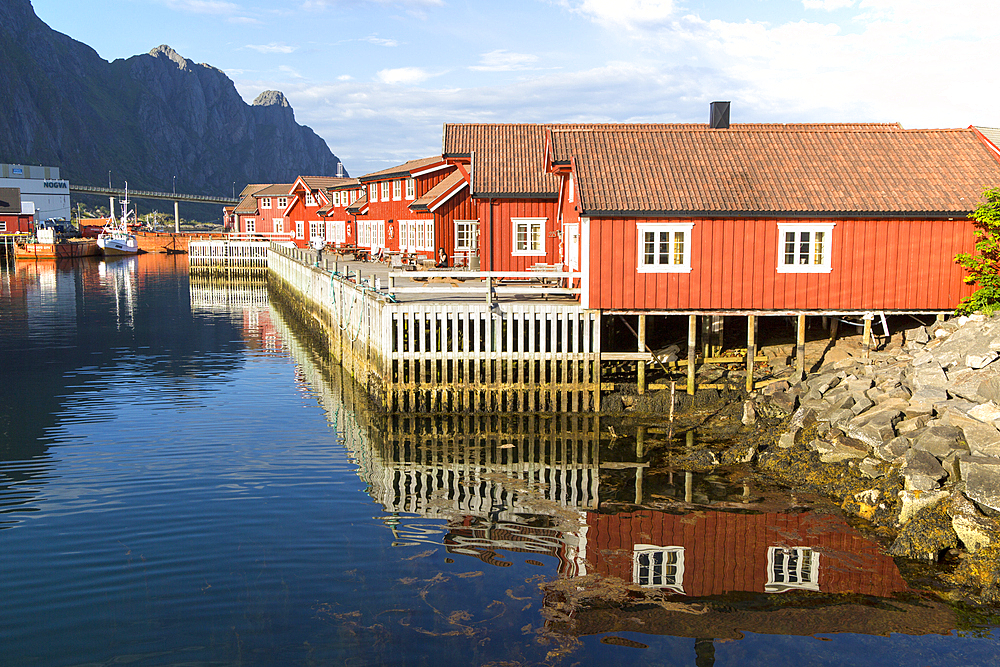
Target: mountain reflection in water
185	478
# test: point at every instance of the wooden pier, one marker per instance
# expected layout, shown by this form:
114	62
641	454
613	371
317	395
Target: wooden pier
228	256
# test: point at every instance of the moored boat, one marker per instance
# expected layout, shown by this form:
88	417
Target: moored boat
117	238
49	245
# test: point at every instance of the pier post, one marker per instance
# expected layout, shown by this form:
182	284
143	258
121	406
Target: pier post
834	328
692	341
641	365
800	348
177	219
866	337
751	349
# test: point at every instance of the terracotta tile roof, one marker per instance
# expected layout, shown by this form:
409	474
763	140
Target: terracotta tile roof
274	190
248	203
778	170
445	187
326	182
404	169
509	157
359	205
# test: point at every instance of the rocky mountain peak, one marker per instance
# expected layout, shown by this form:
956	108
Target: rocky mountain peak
165	51
271	98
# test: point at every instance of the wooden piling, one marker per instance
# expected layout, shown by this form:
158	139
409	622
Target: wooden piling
640	366
751	349
692	351
800	348
866	337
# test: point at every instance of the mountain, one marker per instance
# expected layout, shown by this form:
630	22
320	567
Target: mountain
146	119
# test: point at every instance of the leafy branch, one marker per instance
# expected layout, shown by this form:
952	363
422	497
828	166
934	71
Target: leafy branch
983	266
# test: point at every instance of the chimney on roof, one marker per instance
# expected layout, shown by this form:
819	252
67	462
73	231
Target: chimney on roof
719	116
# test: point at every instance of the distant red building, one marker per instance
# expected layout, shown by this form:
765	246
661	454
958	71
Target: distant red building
15	216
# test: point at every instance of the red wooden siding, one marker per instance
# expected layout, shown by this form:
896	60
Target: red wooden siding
502	236
887	264
459	207
725	552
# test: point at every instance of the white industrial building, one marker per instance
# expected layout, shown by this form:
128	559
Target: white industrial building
41	186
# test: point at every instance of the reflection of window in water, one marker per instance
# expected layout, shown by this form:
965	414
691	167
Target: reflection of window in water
792	567
658	567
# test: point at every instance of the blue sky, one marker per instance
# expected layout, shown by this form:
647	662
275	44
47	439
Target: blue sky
378	78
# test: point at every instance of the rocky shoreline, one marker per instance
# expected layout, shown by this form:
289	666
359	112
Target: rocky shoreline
908	440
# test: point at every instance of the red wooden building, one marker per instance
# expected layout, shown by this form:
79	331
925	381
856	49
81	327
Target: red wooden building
15	215
764	218
311	209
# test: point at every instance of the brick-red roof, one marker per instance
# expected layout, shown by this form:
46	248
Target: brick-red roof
763	169
404	169
444	187
359	205
509	158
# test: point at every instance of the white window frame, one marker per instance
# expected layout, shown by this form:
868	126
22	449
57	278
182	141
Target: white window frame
310	200
529	224
671	265
278	225
249	226
799	229
300	232
385	190
265	202
658	567
316	230
3	226
397	189
792	568
373	192
282	203
336	198
472	234
571	189
411	188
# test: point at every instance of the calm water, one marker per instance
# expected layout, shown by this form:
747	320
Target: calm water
183	482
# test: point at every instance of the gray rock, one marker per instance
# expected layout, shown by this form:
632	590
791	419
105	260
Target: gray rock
821	446
861	403
844	450
844	401
823	383
749	413
922	358
973	529
911	424
897	392
892	450
787	439
982	480
921	471
988	412
914	501
977	361
775	387
872	469
859	386
917	335
929	377
786	401
939	440
875	426
982	439
990	390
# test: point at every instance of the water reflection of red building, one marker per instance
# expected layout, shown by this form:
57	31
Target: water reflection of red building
711	553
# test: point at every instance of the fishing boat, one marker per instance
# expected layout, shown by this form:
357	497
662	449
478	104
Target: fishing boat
47	244
117	238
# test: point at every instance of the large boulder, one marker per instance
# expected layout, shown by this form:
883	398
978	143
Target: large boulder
982	480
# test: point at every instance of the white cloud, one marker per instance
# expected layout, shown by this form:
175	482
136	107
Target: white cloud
203	6
827	5
502	60
629	14
243	20
378	41
345	77
405	76
273	47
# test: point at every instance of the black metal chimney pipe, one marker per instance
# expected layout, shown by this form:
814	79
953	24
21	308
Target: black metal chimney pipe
719	116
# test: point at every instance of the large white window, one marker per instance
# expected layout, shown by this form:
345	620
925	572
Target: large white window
336	198
658	567
416	235
372	192
300	231
265	202
529	236
411	188
792	567
397	189
249	225
664	248
316	230
385	190
278	225
336	231
282	203
466	232
310	200
804	248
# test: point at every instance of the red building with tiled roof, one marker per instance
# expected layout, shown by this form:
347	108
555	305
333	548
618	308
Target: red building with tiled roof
311	210
764	218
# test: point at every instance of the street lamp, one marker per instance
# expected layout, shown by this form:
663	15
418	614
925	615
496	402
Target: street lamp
234	189
173	186
109	179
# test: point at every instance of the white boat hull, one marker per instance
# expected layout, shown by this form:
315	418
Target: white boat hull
118	246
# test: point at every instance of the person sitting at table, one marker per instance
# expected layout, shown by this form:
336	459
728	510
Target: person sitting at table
442	261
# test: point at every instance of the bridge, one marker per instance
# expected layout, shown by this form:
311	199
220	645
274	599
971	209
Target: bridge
147	194
175	197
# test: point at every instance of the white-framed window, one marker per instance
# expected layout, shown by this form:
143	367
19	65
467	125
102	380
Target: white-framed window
466	232
397	189
792	568
529	236
804	248
300	232
416	235
316	230
278	225
571	187
658	567
265	202
282	203
385	190
664	247
336	198
249	225
372	192
3	226
335	231
310	200
411	188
